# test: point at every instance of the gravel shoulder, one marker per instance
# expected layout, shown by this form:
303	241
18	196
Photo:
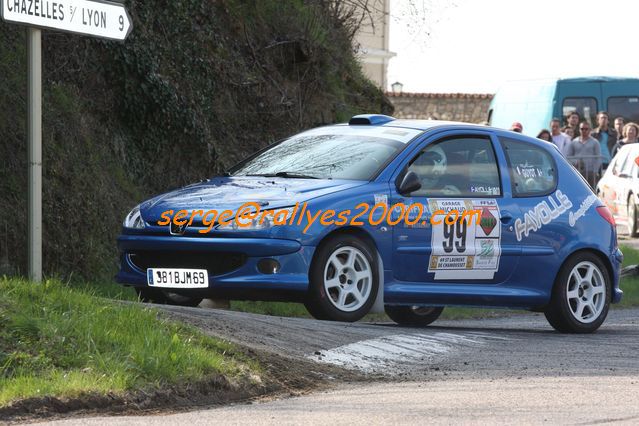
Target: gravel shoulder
500	370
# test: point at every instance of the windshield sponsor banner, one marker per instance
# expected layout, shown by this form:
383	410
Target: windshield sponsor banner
464	249
251	216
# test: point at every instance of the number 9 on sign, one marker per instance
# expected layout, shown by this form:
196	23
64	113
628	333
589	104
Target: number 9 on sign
121	20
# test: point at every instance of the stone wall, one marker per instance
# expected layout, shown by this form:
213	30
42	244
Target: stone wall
467	107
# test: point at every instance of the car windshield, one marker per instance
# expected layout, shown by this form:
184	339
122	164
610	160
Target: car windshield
325	155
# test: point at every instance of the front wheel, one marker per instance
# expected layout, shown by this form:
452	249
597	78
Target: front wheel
581	295
343	280
413	316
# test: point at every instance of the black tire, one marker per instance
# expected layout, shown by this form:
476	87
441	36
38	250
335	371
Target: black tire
632	216
559	312
413	316
322	303
164	297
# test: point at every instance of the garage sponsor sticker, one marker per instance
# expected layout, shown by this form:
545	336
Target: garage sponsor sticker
469	248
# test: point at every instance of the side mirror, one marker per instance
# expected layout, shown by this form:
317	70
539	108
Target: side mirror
410	183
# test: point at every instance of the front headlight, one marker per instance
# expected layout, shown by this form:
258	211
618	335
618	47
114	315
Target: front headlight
134	219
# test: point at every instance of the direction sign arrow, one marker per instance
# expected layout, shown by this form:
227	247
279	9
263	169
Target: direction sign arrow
95	18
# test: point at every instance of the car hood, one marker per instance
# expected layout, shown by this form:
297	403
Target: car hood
231	192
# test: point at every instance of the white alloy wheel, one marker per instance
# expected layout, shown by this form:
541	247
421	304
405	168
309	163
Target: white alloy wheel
348	278
586	292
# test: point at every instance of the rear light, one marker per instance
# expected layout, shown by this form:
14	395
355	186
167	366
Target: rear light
605	213
637	161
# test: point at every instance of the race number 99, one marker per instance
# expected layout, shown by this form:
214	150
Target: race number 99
455	236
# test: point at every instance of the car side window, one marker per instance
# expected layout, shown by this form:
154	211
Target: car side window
533	172
458	166
617	162
626	169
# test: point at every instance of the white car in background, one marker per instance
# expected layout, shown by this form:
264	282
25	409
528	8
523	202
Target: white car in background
619	187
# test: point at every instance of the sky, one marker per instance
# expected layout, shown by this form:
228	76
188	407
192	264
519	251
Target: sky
472	46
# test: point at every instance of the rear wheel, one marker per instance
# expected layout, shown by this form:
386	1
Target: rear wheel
164	297
632	216
414	316
343	280
581	295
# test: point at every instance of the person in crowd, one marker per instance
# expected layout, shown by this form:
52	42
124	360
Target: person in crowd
606	137
517	127
558	138
569	131
572	120
584	152
544	135
630	134
619	123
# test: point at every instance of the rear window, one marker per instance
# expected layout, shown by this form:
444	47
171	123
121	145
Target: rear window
585	107
624	106
532	170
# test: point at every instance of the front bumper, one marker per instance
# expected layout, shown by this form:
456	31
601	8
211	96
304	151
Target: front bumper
244	281
616	259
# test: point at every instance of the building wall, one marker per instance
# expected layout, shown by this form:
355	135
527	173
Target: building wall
372	41
466	107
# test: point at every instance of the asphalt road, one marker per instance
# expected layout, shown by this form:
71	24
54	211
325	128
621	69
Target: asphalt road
505	370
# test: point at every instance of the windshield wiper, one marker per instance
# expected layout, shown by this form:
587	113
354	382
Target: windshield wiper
286	175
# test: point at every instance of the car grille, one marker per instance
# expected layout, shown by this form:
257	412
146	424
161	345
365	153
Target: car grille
216	263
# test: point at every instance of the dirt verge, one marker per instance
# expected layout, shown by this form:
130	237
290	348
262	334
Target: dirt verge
282	377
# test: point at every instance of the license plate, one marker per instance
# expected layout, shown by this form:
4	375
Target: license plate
177	278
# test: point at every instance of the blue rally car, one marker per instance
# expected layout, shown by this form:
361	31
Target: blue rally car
371	216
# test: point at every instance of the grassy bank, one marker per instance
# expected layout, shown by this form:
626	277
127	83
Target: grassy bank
629	285
60	341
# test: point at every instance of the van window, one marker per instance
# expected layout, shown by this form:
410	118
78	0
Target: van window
532	170
586	107
624	106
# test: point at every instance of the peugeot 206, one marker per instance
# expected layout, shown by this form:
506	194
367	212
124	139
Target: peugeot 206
380	214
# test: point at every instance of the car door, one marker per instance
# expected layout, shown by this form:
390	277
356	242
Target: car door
612	182
543	225
627	172
458	171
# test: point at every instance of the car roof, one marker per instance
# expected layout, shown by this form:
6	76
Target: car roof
384	122
631	147
423	124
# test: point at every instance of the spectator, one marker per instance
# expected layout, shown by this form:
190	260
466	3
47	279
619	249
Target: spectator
606	137
558	138
544	135
517	127
572	120
619	122
584	152
630	134
569	131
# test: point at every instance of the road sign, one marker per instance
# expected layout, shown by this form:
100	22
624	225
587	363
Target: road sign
95	18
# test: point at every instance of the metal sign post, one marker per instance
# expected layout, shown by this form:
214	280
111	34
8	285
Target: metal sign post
34	135
101	19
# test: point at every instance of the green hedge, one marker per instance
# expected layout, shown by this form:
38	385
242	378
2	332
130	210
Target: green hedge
197	86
